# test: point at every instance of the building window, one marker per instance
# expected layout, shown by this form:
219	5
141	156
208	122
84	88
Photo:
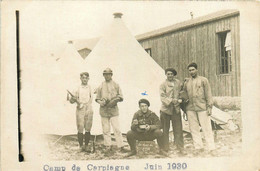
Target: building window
149	51
225	64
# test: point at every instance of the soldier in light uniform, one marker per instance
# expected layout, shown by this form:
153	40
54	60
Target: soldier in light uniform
108	95
170	110
84	113
199	109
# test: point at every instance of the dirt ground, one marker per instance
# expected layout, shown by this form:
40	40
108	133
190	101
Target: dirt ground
228	143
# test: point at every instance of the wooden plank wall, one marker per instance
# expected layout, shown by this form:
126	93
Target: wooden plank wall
200	44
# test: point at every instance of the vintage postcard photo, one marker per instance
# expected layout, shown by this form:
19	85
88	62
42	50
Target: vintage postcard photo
120	85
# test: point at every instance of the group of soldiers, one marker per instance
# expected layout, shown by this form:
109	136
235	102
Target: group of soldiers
146	125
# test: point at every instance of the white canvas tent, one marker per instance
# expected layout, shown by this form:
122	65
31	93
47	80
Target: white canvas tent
133	69
48	92
62	114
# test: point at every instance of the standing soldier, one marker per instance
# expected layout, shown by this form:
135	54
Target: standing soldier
199	109
84	113
170	110
108	95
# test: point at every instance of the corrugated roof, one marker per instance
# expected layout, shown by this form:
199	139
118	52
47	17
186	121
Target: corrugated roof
189	23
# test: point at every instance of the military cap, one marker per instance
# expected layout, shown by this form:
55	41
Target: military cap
107	71
144	101
172	70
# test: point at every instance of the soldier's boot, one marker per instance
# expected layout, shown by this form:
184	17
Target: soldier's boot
87	138
132	153
80	140
163	153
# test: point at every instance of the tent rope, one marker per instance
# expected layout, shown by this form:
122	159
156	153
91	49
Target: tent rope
58	139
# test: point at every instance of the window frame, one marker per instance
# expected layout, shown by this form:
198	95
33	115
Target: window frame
224	63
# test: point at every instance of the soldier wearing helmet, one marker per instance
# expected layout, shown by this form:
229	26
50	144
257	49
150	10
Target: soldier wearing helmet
108	95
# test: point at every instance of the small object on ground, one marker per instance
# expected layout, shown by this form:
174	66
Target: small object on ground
232	126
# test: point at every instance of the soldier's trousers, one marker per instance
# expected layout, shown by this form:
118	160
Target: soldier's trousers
201	118
132	136
116	128
84	119
177	129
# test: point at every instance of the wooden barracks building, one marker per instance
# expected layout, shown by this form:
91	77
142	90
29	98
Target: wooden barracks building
212	41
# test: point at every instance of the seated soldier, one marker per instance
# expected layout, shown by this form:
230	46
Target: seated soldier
145	127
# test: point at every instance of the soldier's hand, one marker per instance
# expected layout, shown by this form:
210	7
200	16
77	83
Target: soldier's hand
209	111
113	102
179	100
135	122
118	99
73	99
102	102
174	101
147	128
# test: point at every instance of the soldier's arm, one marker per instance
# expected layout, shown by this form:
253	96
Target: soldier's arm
164	99
208	94
177	90
134	126
91	95
98	96
73	99
120	94
156	122
184	88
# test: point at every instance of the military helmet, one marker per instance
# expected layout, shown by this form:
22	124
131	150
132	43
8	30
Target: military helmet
107	71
